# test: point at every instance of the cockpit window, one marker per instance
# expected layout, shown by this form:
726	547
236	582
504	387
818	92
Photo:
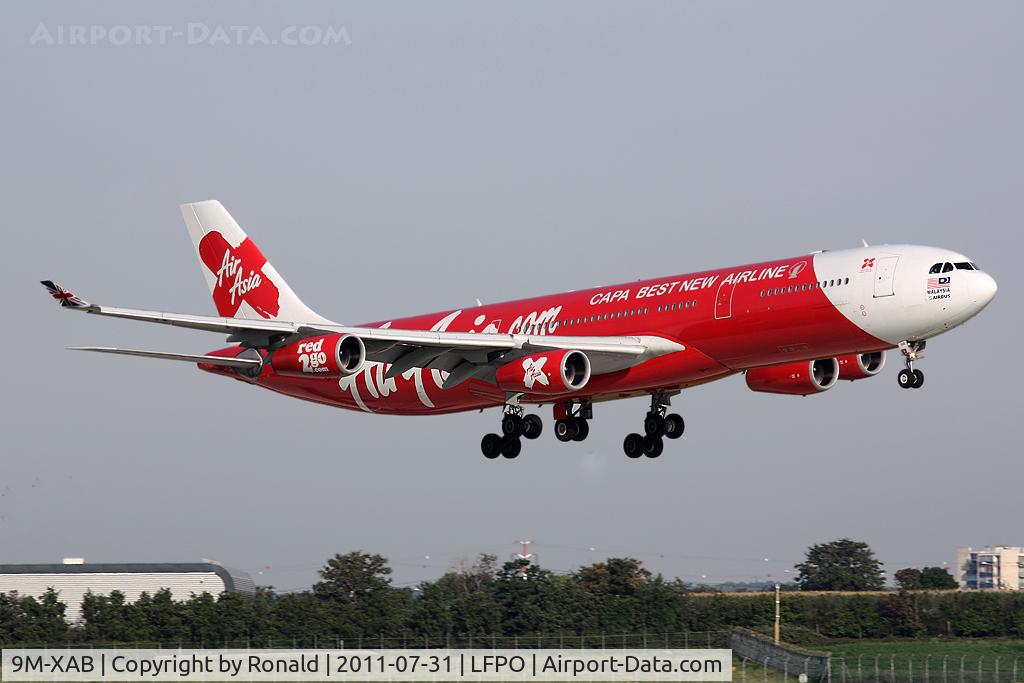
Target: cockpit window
964	266
975	265
947	267
937	268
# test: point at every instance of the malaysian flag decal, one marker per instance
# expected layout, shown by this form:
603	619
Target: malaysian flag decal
936	282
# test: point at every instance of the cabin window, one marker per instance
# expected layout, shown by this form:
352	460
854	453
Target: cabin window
846	281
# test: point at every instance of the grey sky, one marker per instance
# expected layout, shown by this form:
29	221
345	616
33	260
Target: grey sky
458	150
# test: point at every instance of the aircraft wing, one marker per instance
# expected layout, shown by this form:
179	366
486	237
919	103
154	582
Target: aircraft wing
465	355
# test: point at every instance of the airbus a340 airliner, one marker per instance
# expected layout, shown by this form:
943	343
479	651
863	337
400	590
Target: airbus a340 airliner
792	326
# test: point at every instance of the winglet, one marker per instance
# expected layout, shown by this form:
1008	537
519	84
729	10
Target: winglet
66	298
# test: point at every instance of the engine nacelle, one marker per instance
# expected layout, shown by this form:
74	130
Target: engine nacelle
807	377
861	365
551	372
330	356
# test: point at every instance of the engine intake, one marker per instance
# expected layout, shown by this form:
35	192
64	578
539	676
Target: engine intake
808	377
551	372
861	365
330	356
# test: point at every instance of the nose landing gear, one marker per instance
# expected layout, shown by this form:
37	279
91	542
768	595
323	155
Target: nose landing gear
658	425
910	378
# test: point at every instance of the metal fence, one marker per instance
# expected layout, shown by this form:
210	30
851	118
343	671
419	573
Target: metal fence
927	669
751	646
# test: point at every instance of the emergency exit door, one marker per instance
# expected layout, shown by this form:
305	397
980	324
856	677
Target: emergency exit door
885	269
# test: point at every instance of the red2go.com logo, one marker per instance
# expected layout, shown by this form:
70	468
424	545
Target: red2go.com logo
312	356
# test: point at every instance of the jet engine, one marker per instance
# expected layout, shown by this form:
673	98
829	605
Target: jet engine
330	356
551	372
806	377
861	365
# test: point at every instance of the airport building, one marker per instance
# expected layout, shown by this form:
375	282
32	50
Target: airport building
74	578
991	568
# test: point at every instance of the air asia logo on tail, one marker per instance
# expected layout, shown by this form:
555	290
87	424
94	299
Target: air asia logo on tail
240	277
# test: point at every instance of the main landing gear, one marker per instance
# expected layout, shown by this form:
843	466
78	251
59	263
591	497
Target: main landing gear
515	426
658	425
571	420
909	378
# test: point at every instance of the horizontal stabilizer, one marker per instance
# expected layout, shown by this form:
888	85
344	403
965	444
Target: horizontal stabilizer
166	355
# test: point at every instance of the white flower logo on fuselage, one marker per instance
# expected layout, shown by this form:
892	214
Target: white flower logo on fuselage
534	372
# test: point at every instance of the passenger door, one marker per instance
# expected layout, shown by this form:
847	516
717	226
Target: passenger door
723	300
885	269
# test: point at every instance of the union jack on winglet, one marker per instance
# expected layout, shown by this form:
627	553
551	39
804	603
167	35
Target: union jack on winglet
62	295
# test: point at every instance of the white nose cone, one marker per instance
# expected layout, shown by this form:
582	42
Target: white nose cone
984	287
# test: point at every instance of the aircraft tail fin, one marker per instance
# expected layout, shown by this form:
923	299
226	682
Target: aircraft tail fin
242	281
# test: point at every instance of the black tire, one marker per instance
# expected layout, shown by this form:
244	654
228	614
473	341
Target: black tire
654	425
582	429
906	379
510	448
532	426
491	446
566	430
633	445
674	426
918	379
512	426
653	446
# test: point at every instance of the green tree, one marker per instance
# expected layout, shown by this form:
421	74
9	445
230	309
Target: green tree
843	565
356	588
908	579
937	578
31	621
517	591
460	605
615	576
352	577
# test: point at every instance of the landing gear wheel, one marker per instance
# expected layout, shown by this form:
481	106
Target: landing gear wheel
674	426
918	379
566	430
654	425
491	446
532	426
653	446
512	426
906	379
511	447
633	445
582	429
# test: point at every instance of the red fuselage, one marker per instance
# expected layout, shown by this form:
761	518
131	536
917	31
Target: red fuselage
727	320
